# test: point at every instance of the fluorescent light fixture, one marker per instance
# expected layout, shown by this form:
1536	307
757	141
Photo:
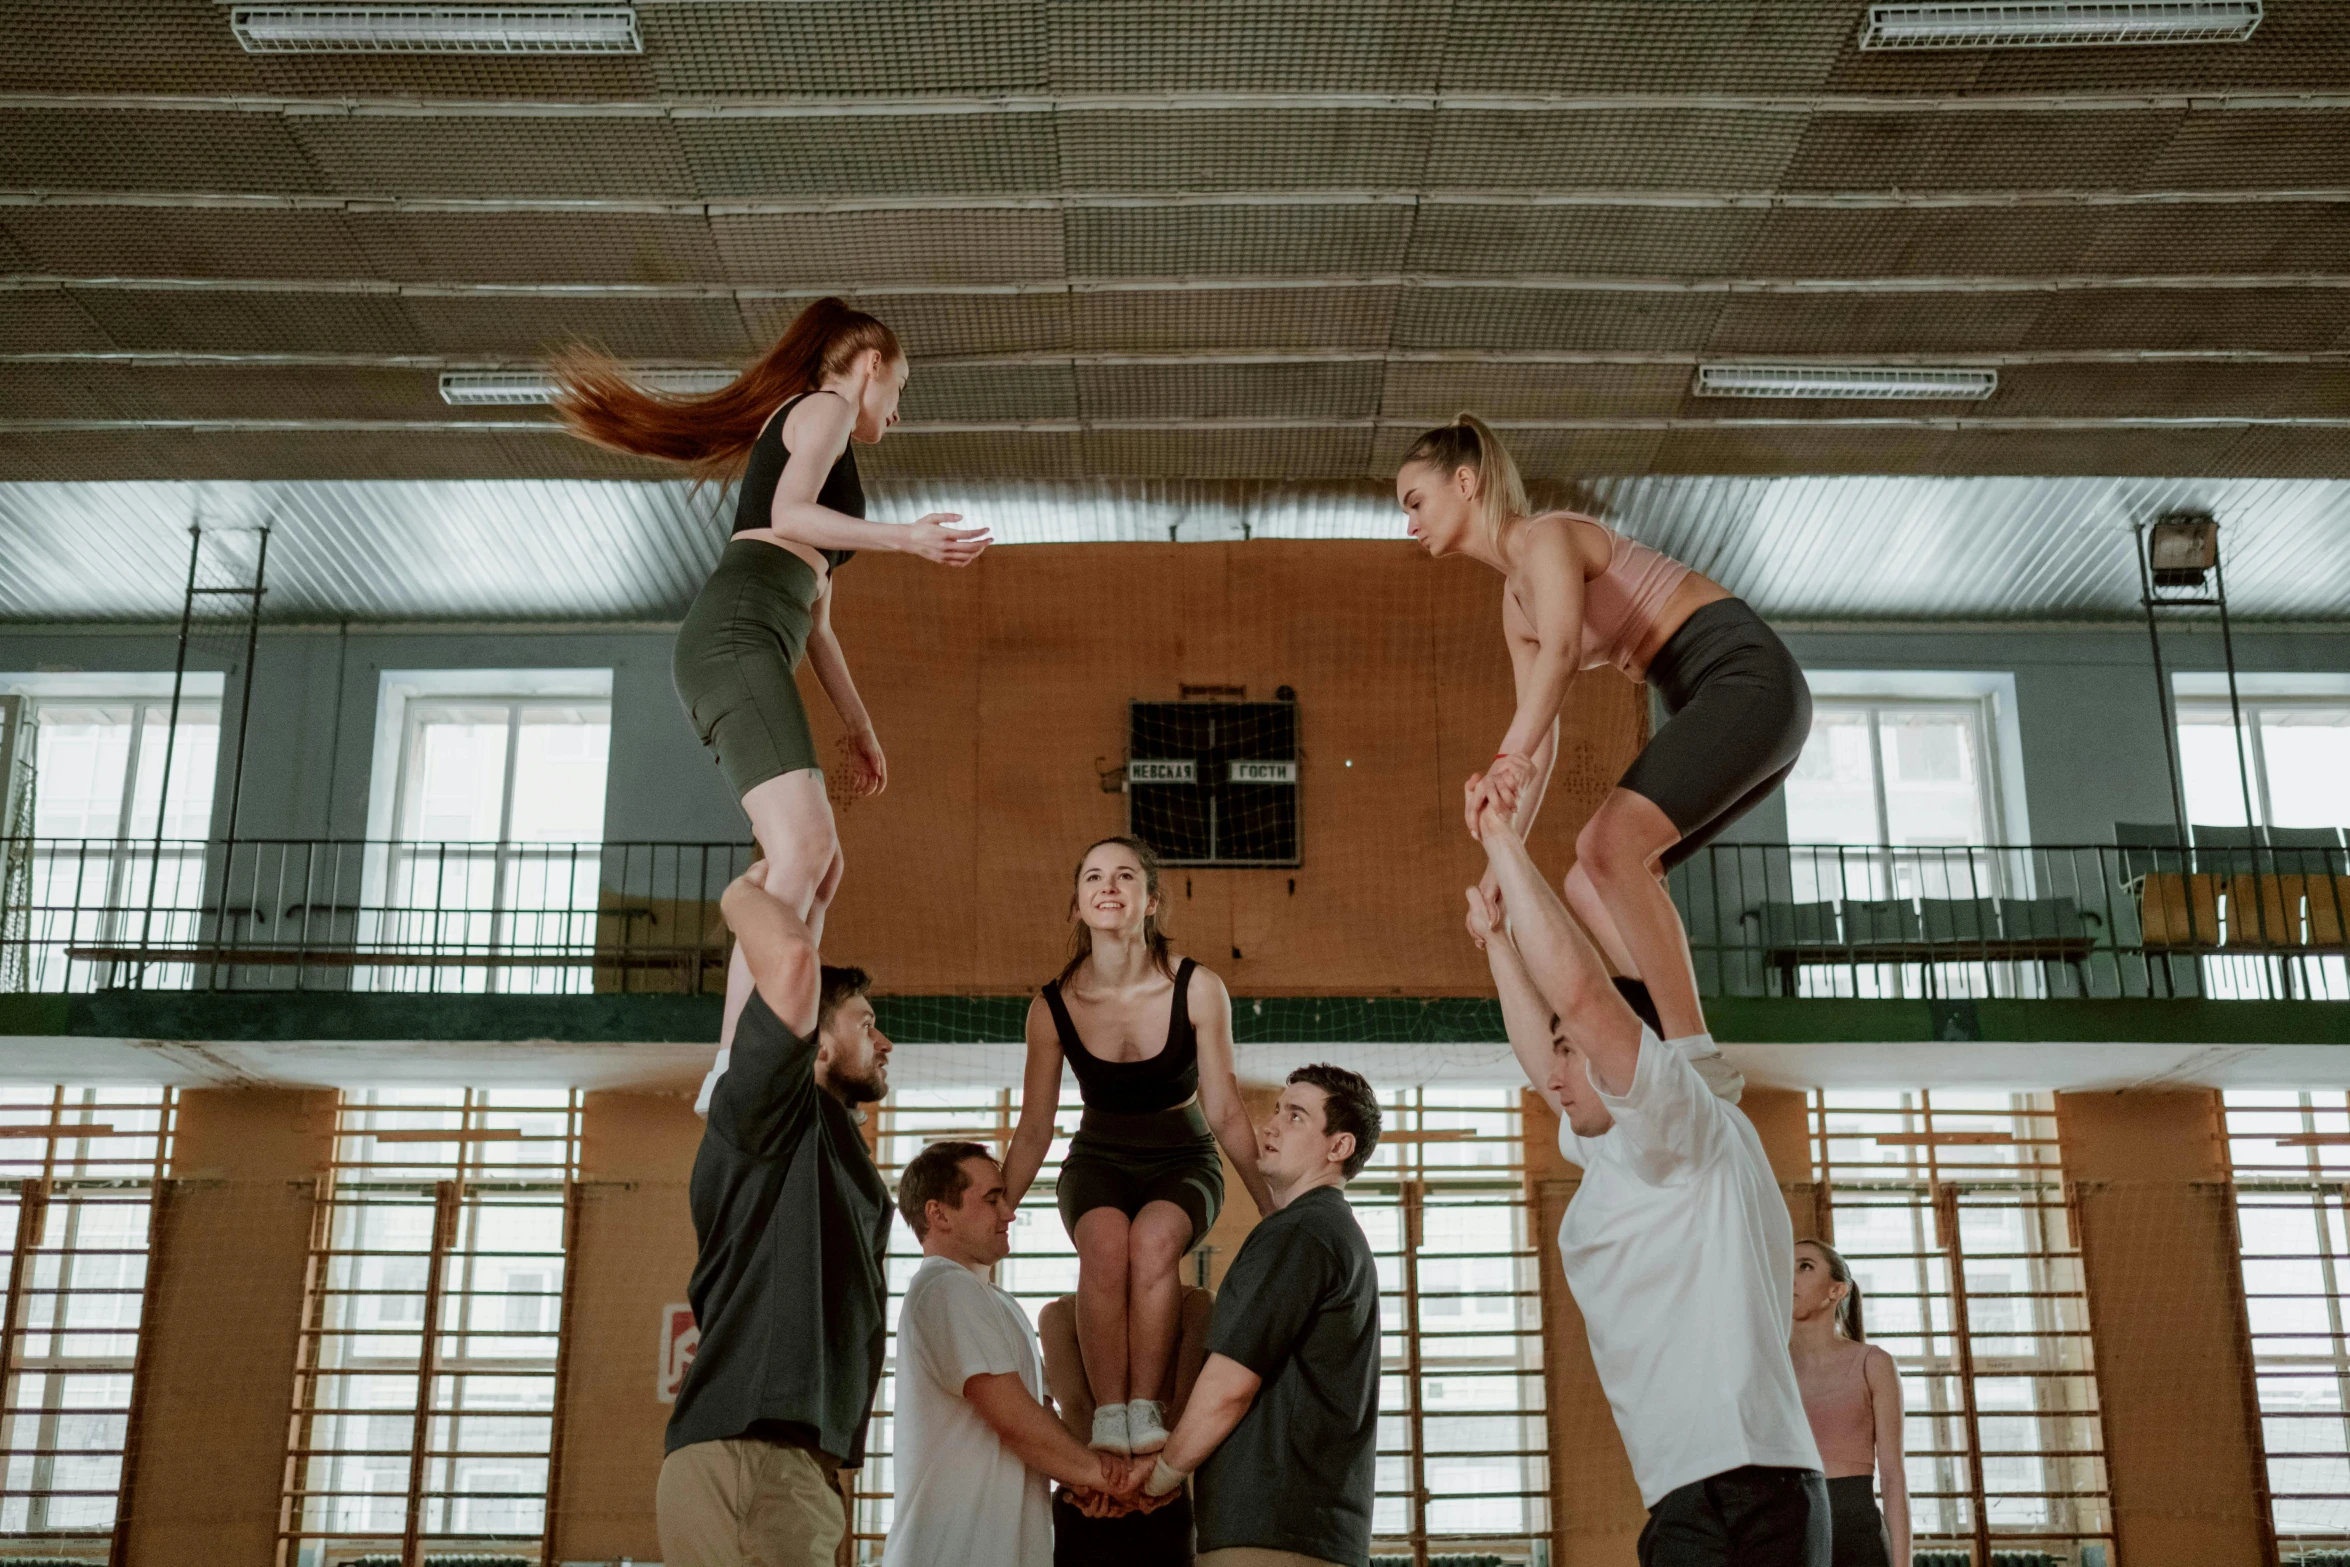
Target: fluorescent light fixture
437	29
1974	25
1880	381
473	388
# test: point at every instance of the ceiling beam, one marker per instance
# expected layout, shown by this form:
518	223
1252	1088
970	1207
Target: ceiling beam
1239	423
31	282
159	358
1063	201
795	106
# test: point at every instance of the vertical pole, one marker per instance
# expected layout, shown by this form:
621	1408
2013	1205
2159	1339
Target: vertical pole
2227	643
302	1418
2170	730
236	790
1414	1213
171	732
447	1195
118	1553
1954	1254
572	1193
32	1214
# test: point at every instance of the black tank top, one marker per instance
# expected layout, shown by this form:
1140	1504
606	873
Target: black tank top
1162	1082
754	507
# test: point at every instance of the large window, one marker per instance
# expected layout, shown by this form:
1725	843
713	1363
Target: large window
1893	802
1951	1209
98	877
2290	1153
1461	1304
425	1392
81	1166
493	801
2296	754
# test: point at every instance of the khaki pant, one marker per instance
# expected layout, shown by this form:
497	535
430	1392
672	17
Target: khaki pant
742	1503
1252	1556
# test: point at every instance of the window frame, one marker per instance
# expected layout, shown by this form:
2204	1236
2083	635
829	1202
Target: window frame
1982	716
2218	712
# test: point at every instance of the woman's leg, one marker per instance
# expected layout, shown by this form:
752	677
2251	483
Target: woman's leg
1103	1266
1154	1298
793	823
1618	851
1583	898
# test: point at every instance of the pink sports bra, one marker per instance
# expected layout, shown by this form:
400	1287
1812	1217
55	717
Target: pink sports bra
1621	604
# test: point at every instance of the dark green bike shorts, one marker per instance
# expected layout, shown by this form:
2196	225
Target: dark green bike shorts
1128	1161
745	634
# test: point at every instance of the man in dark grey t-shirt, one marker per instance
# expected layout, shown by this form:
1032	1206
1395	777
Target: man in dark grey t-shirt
789	1290
1288	1403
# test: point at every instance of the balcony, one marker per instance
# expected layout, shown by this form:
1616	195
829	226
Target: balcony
323	939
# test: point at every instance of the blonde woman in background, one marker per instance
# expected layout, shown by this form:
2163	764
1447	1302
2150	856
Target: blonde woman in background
1852	1394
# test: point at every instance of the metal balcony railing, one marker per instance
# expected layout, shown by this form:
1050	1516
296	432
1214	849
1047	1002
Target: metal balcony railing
284	914
1768	919
1977	921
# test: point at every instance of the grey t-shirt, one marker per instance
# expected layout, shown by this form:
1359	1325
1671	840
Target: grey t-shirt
1300	1308
789	1289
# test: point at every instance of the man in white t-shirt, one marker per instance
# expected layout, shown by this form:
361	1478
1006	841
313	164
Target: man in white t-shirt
975	1441
1676	1244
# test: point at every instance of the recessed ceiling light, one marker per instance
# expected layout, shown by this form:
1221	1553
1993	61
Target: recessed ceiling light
2005	26
513	387
1900	381
437	29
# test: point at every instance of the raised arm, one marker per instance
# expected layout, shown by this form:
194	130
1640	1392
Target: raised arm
1525	1016
1560	962
776	943
1041	1441
1892	1463
1219	1087
1040	1102
817	432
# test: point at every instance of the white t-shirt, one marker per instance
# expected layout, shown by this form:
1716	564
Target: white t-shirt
1679	1251
963	1497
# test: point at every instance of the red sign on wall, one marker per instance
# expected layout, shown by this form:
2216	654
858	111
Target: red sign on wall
679	1339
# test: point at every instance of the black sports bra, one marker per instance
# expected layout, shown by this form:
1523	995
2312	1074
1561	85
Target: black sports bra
1160	1082
754	505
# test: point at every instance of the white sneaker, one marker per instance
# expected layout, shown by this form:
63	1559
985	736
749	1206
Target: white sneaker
1144	1428
1110	1433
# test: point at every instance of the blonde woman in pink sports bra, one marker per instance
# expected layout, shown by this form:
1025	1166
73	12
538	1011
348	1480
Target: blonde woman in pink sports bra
1576	595
1852	1393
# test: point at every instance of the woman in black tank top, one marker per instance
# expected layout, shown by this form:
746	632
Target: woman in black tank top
1150	1043
784	427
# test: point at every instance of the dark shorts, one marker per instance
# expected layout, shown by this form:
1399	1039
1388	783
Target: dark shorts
1738	711
1750	1517
736	651
1861	1540
1128	1161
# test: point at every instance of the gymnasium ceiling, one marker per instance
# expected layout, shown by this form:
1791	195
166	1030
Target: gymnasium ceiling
1130	243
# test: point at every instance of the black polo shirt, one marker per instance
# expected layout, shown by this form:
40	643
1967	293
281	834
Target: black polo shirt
789	1289
1300	1308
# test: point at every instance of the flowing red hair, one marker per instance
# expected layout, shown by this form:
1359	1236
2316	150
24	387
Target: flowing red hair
711	435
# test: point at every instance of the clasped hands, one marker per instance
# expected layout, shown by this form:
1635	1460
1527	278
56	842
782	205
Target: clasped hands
1121	1492
1501	786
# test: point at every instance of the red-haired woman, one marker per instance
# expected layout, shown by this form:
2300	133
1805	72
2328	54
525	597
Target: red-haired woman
1150	1042
1577	594
784	426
